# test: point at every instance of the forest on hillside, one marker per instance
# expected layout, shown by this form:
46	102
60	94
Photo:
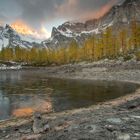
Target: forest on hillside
125	42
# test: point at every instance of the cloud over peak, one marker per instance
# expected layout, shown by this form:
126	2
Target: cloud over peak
38	13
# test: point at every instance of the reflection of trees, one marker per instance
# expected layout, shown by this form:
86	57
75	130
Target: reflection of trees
4	106
10	77
27	91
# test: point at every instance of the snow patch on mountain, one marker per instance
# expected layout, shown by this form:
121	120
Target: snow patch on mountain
96	31
67	33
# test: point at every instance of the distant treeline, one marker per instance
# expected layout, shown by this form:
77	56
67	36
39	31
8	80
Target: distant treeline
108	44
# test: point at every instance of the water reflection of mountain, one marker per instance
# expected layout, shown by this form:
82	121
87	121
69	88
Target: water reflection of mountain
22	105
9	103
29	89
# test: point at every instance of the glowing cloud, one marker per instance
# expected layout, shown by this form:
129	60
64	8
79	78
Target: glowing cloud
101	11
22	28
1	23
44	33
83	10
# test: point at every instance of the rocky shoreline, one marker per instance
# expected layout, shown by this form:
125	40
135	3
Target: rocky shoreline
118	119
110	70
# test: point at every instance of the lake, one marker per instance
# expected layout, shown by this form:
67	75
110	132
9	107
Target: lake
25	91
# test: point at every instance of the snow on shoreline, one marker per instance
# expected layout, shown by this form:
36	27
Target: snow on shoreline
5	67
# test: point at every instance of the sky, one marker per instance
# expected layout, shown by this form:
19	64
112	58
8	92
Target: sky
42	15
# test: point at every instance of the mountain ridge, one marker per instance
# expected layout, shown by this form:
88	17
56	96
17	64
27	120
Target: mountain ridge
10	37
118	16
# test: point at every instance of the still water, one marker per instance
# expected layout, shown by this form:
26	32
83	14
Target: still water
23	92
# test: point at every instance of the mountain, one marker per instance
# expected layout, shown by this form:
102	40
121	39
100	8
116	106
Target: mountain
9	37
118	16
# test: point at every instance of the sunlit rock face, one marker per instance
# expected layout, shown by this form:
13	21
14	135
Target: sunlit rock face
118	16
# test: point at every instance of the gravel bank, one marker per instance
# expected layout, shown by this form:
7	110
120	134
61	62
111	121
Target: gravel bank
103	70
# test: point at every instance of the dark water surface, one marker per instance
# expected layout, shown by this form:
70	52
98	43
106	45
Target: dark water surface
22	92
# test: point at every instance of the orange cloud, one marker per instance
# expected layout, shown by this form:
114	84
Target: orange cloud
1	22
100	12
104	9
69	8
23	28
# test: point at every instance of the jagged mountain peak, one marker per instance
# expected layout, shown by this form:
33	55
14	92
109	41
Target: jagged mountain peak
7	26
118	16
9	37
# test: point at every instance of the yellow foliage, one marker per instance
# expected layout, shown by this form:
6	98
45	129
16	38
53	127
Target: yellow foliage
105	45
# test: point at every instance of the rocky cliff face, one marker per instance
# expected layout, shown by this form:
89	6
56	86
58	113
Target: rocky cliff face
120	15
9	37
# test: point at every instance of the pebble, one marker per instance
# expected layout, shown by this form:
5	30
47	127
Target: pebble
32	137
123	137
8	136
93	129
25	131
46	127
115	120
110	128
136	117
136	134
